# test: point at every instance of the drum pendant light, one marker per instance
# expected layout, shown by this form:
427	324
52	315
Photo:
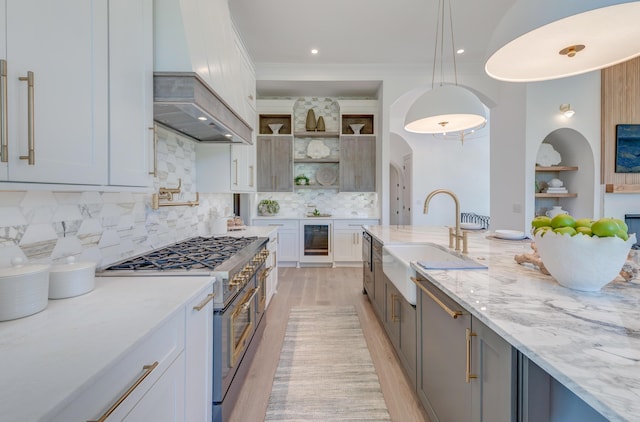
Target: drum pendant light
549	39
445	109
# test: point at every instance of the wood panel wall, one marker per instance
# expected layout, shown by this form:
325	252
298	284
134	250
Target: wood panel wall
620	104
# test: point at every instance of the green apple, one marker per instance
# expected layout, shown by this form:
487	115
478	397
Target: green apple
563	220
541	221
584	230
621	224
605	227
622	234
542	230
584	222
565	230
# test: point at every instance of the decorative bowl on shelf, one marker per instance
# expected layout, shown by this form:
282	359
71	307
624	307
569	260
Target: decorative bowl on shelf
583	262
356	128
275	127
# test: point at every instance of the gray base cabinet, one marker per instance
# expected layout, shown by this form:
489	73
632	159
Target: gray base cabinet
466	372
544	399
400	324
379	297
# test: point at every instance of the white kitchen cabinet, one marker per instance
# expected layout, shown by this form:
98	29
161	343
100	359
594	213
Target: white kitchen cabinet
224	168
65	46
347	239
164	402
131	133
288	238
272	263
151	371
246	82
199	357
243	168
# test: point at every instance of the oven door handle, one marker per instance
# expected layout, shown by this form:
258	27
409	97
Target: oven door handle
247	303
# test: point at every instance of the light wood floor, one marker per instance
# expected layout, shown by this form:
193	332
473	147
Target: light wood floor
324	286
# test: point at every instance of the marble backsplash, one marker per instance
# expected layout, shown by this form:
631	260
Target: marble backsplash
327	201
106	227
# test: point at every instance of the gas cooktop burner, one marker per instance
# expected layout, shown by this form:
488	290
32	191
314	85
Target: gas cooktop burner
192	254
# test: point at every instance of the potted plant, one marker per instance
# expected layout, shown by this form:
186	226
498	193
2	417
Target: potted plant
268	207
301	179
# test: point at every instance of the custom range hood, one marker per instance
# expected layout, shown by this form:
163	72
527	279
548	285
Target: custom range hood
183	102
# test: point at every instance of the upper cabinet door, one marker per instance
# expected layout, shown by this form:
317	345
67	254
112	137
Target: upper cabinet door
358	163
64	45
130	92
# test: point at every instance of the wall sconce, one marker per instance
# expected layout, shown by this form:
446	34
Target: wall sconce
567	110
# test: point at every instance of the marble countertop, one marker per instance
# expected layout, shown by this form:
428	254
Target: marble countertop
589	342
303	216
46	359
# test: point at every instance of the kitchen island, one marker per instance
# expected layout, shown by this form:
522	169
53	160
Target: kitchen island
588	342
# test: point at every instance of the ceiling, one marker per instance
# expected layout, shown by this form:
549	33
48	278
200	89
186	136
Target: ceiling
376	32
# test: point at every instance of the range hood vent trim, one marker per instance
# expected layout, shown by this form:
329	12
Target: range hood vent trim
182	99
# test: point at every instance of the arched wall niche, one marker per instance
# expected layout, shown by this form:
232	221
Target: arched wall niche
575	151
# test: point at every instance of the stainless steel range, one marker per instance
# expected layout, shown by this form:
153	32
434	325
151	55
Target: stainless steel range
237	263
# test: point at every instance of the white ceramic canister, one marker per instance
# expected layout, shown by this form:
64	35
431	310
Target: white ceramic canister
71	279
23	289
555	211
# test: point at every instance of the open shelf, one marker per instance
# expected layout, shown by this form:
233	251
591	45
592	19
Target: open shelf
556	195
613	188
316	160
316	134
365	119
557	168
267	119
298	187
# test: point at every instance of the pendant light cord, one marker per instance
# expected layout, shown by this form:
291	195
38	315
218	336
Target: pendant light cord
440	36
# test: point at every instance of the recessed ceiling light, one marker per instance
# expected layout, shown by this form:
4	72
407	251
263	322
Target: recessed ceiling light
228	135
460	51
314	51
202	118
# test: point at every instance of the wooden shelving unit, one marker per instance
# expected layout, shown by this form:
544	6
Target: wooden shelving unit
613	188
316	160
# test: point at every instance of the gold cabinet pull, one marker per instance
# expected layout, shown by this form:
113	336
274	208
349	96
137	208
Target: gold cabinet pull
394	318
235	168
155	151
4	117
453	314
204	303
147	371
468	375
31	155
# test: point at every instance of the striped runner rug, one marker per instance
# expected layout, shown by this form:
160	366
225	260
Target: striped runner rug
325	371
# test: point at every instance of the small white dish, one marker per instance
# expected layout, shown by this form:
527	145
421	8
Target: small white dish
509	234
471	226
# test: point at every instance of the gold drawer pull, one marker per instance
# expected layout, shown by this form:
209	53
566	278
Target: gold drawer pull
453	314
202	304
147	371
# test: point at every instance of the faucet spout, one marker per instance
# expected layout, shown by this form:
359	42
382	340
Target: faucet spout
458	234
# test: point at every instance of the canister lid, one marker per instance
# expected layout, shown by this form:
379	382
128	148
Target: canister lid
20	267
72	265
